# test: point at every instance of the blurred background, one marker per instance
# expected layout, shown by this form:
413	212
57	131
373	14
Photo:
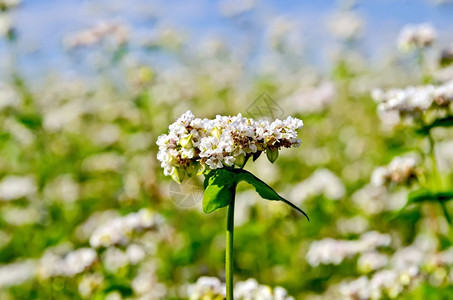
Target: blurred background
86	87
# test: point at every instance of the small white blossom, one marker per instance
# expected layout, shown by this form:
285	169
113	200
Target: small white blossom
194	143
416	36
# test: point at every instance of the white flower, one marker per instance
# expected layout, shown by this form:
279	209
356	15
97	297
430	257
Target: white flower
15	187
194	143
416	36
401	170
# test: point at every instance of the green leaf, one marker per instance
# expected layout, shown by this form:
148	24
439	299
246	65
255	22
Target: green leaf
420	196
443	122
424	195
263	189
219	188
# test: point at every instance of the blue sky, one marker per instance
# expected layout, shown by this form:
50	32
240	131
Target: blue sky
43	23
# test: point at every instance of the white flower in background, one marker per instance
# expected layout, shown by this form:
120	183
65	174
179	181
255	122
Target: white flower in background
331	251
312	100
5	25
371	261
233	8
354	225
14	187
416	36
401	170
120	230
283	35
117	32
16	273
414	99
90	283
114	296
89	226
250	289
174	85
373	199
103	162
75	262
20	216
114	259
194	143
63	188
322	182
444	155
8	96
346	25
145	284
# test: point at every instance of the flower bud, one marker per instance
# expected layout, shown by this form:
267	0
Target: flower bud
186	142
240	160
216	132
178	175
272	154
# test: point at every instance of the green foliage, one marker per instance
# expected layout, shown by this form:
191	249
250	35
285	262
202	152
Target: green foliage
442	122
220	188
424	195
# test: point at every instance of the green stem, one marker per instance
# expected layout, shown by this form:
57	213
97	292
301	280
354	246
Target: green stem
229	249
437	178
447	215
436	174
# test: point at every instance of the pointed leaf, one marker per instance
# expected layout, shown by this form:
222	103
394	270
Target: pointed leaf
424	195
443	122
263	189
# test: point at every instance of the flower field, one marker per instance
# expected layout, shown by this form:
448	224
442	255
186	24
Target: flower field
119	155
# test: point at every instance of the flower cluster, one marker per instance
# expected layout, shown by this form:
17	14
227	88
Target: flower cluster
331	251
194	143
408	267
16	273
401	170
75	262
118	32
414	99
322	182
119	230
416	36
212	288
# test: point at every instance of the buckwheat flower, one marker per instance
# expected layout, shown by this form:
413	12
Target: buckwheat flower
371	261
15	187
121	229
16	273
6	25
323	182
89	284
212	288
114	259
194	144
53	264
331	251
346	25
416	36
401	170
233	8
145	284
8	96
117	32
